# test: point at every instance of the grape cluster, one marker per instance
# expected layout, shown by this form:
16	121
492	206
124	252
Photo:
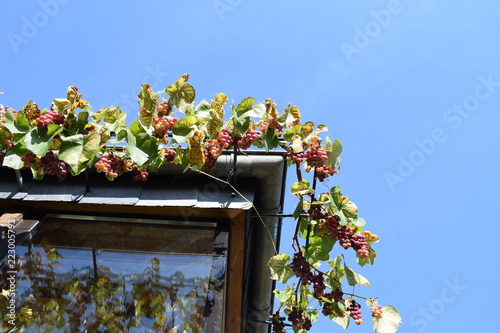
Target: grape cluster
163	108
335	295
51	165
272	123
315	157
278	324
319	285
247	141
324	172
225	139
28	159
301	268
112	165
88	129
8	143
355	311
162	126
297	158
169	155
141	175
346	236
377	311
298	319
50	117
212	152
359	244
315	212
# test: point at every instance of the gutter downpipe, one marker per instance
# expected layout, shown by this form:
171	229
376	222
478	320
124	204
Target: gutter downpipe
269	170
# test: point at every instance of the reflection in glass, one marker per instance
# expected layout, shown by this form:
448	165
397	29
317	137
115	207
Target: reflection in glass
112	283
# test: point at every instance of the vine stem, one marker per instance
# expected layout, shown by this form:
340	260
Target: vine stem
354	295
244	198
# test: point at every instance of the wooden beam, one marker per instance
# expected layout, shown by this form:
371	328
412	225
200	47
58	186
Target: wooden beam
236	261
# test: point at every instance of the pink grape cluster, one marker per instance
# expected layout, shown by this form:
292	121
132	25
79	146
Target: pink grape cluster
301	268
272	123
141	175
377	311
346	236
319	285
28	159
277	322
296	158
163	108
298	319
334	296
88	129
163	125
212	152
8	143
316	157
112	166
50	117
247	141
355	312
324	172
225	139
169	155
51	165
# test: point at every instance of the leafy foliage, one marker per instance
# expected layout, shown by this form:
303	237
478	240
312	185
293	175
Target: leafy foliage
171	128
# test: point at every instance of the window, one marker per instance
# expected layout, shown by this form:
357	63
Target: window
79	273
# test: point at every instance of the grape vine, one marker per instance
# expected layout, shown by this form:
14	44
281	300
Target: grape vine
70	137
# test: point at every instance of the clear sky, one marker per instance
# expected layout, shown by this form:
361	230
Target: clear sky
411	89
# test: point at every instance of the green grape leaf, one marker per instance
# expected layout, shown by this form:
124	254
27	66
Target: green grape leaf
298	210
297	144
196	154
389	323
271	140
12	158
353	278
79	151
333	151
142	147
249	108
280	268
319	248
38	140
61	105
114	118
285	295
343	321
76	124
188	93
147	98
184	128
202	111
291	115
359	222
16	123
301	187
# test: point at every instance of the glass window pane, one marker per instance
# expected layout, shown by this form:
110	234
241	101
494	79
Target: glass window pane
82	276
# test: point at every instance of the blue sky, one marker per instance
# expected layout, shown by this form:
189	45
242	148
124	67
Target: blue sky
411	88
